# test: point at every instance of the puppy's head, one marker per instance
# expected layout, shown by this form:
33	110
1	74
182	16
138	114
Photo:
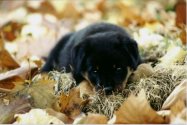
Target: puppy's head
106	60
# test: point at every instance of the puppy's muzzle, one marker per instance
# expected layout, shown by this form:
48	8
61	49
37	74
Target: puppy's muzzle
108	90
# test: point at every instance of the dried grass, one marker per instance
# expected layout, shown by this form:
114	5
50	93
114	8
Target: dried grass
64	81
157	88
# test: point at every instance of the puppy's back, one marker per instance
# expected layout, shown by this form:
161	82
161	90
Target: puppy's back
97	28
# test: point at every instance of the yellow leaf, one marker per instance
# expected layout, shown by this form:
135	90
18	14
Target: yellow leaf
40	89
136	110
1	44
71	104
178	93
10	30
59	115
7	61
10	83
36	116
175	54
91	119
178	113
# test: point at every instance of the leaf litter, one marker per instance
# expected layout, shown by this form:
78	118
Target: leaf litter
154	86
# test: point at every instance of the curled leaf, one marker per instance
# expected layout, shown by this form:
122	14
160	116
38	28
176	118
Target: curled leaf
178	113
178	93
71	104
11	106
59	115
91	119
36	116
7	61
136	110
40	89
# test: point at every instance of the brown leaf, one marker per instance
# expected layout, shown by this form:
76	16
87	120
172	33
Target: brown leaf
71	11
2	45
71	104
7	61
40	89
11	30
136	110
91	119
178	93
130	14
183	35
22	72
180	10
10	106
10	83
44	7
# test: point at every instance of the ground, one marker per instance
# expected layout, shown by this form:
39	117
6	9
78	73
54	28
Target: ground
156	93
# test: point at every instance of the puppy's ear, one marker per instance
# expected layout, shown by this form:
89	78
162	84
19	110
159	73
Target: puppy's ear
78	57
131	48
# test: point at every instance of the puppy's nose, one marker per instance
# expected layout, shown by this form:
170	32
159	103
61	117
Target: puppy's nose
108	90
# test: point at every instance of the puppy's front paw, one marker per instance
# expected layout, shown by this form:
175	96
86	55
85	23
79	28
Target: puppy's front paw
143	70
86	89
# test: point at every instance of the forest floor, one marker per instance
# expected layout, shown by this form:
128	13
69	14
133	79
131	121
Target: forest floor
156	93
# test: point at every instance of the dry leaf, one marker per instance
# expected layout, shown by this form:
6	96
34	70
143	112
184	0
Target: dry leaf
165	114
7	61
183	35
10	83
44	7
178	93
11	30
136	110
40	89
12	5
91	119
71	104
29	46
178	113
180	10
2	44
59	115
175	54
36	116
10	106
71	11
22	72
130	14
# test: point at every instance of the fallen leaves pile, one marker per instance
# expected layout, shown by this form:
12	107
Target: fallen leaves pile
155	93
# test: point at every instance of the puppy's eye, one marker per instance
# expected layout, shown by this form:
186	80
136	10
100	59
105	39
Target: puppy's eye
118	69
94	71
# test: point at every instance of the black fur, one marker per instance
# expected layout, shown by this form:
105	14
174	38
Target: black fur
102	51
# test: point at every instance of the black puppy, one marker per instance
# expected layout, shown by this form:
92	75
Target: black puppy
102	54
